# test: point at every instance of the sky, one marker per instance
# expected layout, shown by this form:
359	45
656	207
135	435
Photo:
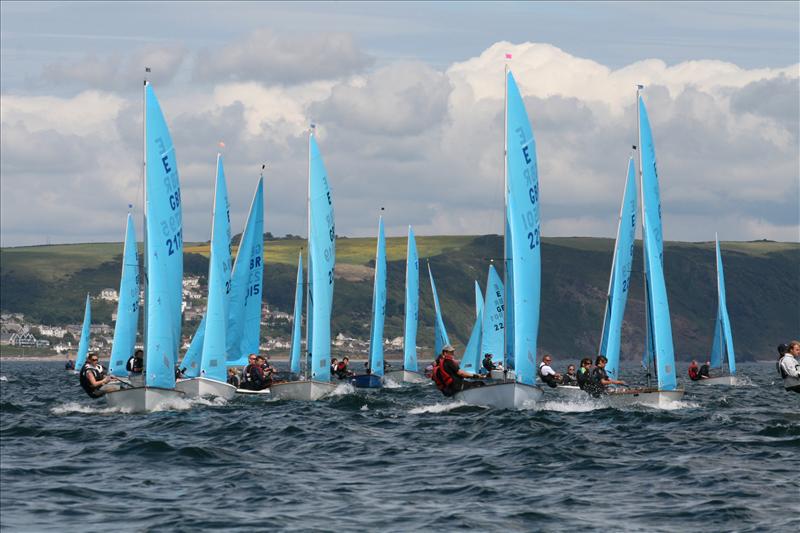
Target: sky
408	102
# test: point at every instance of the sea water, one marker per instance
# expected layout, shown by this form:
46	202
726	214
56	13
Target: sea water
398	459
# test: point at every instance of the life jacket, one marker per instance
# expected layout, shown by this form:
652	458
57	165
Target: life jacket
583	378
694	373
129	365
442	377
98	373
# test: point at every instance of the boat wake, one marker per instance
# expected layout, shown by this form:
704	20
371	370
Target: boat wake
568	406
82	408
343	389
178	404
3	378
391	384
436	408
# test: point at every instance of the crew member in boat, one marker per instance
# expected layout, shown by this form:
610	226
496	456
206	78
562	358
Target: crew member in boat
705	370
789	366
267	370
69	364
449	377
694	371
334	362
342	370
600	379
93	377
547	374
135	365
569	377
584	373
488	364
253	375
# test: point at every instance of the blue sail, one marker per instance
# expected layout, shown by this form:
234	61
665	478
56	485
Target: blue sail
294	358
717	345
191	360
244	300
471	361
523	216
439	331
164	249
378	305
492	336
322	255
725	336
412	305
508	320
659	326
83	343
212	362
127	306
478	299
620	276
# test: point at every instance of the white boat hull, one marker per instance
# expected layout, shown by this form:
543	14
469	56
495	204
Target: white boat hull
308	391
720	380
406	376
204	388
261	392
565	392
650	397
507	395
499	374
143	399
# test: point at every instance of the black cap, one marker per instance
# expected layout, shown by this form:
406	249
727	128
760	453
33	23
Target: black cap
783	348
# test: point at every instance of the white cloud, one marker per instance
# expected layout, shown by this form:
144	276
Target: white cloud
427	145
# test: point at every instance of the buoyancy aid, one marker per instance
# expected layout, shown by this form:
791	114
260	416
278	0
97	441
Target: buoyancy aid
440	376
98	373
694	373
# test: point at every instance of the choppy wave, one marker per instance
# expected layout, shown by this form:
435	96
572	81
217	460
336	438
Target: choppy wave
396	459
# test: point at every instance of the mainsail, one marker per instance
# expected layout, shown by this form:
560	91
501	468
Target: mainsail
83	343
294	358
412	305
522	192
620	276
322	258
492	336
659	329
212	362
164	249
723	338
244	306
378	305
440	333
128	304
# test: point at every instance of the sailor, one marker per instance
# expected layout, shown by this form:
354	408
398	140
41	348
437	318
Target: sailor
135	363
69	364
547	374
342	371
584	372
789	366
449	377
600	380
93	377
266	371
569	378
334	362
251	373
705	370
488	365
694	371
233	377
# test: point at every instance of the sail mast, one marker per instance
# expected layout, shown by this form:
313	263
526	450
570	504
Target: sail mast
505	211
647	332
308	259
144	206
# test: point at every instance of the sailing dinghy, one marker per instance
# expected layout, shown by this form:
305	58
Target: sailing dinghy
410	372
209	377
374	378
523	243
163	268
321	262
723	339
659	351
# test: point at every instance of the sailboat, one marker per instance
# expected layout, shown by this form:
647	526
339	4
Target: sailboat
723	339
209	378
374	379
523	245
659	351
127	307
410	372
83	343
440	339
163	267
321	262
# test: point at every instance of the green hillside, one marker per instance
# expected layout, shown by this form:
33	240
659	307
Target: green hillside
49	283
